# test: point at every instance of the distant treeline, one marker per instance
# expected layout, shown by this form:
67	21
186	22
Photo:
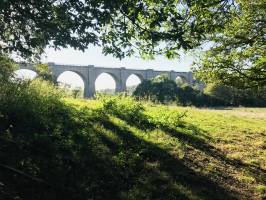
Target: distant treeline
163	90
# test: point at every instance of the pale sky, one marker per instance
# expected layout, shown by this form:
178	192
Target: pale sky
94	56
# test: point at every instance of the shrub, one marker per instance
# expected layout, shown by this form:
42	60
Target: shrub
160	89
237	97
163	116
134	112
39	136
7	67
123	107
163	90
43	72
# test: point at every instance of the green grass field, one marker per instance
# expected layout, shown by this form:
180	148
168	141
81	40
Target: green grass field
206	154
118	148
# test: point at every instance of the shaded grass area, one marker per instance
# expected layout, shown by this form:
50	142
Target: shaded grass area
118	149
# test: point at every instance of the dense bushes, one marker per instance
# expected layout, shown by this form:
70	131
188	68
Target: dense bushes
160	89
235	97
163	90
188	96
127	108
134	112
37	132
7	67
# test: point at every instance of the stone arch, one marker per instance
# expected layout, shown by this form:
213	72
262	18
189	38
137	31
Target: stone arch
114	81
73	81
25	73
132	81
140	76
72	71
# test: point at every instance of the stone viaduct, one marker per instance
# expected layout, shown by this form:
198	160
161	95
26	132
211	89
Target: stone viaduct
90	73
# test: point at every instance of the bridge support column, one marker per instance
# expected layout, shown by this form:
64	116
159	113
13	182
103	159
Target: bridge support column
89	89
149	74
190	78
88	92
172	75
121	82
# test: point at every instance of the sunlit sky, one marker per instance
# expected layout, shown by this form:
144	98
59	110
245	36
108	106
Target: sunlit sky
94	56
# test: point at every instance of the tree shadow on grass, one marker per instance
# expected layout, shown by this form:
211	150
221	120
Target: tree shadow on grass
198	139
79	161
201	144
158	174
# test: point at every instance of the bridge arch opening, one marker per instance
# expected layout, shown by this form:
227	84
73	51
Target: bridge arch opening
72	82
132	82
180	80
105	83
25	74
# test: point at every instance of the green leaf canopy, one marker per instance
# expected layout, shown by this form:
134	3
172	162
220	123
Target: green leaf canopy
121	27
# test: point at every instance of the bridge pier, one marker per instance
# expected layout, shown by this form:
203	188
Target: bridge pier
89	87
121	80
